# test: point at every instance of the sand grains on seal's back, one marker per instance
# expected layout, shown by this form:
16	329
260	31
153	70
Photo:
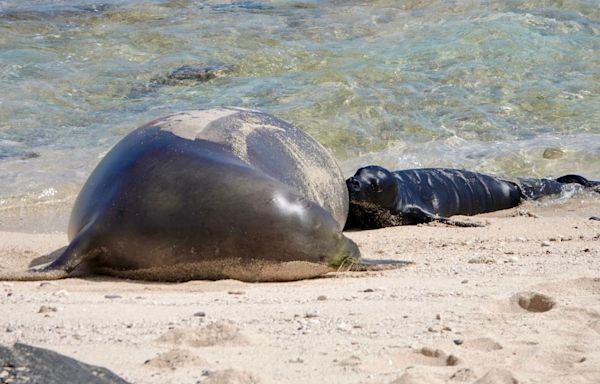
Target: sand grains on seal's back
190	124
297	154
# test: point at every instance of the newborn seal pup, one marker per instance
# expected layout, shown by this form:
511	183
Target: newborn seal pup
210	194
380	198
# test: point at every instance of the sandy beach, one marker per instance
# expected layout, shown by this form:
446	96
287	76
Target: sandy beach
510	89
517	301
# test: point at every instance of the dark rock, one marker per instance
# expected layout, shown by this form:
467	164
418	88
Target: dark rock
25	363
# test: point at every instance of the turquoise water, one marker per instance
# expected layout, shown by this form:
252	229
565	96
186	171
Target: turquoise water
510	88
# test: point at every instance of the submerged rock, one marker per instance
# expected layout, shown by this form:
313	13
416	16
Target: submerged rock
184	75
197	72
553	153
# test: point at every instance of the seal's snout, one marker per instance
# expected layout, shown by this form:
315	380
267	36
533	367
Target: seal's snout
353	184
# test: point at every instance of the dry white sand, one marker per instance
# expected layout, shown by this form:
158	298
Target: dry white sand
515	301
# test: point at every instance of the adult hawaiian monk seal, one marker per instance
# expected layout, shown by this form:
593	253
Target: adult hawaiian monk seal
380	198
210	194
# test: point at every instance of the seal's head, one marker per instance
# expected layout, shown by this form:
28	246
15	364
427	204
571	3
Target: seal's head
373	184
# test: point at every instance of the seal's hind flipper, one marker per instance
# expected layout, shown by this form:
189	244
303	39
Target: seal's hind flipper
33	275
416	215
74	254
366	265
38	270
576	179
68	258
47	258
457	223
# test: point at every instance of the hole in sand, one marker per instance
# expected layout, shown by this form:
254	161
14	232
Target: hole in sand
535	302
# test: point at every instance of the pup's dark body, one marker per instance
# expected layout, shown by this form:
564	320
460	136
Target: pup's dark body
380	198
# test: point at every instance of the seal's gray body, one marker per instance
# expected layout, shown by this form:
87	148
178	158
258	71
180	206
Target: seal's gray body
209	194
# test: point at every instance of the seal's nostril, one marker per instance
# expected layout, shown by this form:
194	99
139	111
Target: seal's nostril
353	184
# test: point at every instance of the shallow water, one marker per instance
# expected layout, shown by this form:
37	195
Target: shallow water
510	88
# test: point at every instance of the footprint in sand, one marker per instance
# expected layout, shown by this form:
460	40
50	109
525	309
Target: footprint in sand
424	356
572	286
216	333
484	344
577	294
231	376
530	301
437	357
174	359
561	360
414	378
463	375
411	357
497	376
533	301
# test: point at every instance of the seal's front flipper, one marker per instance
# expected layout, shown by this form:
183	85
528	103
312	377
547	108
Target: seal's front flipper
416	215
365	215
457	223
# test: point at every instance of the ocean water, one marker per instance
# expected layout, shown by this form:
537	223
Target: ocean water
511	88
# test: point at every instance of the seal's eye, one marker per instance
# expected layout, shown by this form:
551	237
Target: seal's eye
375	185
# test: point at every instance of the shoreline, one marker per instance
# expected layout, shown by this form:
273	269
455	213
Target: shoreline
463	311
